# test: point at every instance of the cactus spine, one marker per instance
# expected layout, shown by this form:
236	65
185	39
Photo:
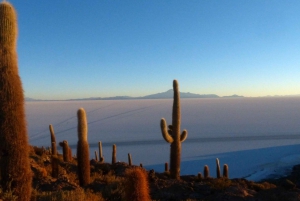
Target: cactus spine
114	154
14	160
136	185
173	135
83	149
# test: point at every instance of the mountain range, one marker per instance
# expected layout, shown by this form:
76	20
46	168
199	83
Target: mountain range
162	95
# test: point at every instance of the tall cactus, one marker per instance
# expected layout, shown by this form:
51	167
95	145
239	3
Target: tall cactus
172	135
83	149
14	158
52	134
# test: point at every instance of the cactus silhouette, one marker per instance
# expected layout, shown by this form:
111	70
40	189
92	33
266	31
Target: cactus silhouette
114	154
83	149
14	158
136	185
172	135
129	159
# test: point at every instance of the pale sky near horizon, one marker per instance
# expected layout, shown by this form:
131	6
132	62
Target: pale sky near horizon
102	48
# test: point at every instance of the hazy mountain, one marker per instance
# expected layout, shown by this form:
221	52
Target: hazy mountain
233	96
162	95
170	93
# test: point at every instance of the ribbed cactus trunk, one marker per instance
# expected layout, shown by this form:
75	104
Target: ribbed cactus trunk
14	159
173	135
83	155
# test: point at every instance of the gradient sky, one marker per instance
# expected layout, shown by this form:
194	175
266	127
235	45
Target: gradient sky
102	48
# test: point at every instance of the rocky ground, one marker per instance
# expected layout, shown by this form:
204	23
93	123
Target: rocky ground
107	179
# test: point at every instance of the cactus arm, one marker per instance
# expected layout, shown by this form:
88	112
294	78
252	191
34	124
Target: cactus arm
164	131
183	135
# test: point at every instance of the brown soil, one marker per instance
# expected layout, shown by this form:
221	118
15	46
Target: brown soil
107	179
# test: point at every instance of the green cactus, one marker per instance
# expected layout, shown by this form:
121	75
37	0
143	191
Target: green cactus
83	149
15	169
172	135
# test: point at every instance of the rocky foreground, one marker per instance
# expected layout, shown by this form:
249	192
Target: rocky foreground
108	179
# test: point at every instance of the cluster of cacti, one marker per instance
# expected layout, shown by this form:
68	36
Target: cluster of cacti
14	160
172	135
225	170
83	155
136	185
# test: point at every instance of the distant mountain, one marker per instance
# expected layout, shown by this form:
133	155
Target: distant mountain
163	95
31	99
170	93
233	96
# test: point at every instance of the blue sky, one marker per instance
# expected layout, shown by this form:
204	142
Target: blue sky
81	49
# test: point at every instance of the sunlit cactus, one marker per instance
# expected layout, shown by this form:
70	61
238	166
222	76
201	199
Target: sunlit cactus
172	135
14	160
83	156
136	185
218	168
52	134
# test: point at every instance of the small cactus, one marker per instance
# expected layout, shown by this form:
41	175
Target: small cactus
172	135
206	172
199	176
225	171
129	159
52	134
166	167
96	156
101	158
114	154
136	185
83	149
218	168
66	154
